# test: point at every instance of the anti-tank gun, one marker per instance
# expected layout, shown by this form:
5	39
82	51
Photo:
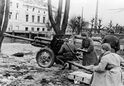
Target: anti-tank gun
46	56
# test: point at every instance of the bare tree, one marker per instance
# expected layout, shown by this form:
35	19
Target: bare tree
77	24
4	12
58	25
73	24
99	25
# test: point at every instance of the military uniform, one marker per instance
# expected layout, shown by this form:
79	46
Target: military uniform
113	41
65	52
89	57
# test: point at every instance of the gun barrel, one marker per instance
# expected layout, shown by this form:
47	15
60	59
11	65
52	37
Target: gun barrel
44	41
17	37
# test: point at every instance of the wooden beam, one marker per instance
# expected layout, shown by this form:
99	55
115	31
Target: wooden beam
79	65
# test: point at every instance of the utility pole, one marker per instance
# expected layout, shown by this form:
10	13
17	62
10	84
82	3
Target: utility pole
82	19
96	16
82	15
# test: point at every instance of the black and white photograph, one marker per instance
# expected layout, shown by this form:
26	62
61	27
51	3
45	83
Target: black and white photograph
61	42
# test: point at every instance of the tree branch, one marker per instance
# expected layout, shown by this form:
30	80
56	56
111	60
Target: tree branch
58	18
66	14
2	5
51	16
6	16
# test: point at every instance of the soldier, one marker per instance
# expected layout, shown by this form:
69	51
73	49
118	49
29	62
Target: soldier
108	72
89	54
112	40
66	52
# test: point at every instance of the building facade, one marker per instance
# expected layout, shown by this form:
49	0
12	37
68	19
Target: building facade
28	16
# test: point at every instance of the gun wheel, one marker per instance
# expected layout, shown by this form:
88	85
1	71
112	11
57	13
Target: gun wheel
45	58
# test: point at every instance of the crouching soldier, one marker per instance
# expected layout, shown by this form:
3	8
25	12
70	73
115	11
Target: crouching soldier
66	53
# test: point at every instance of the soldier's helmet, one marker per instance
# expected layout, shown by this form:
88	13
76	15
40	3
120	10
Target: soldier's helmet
84	34
111	31
106	47
66	40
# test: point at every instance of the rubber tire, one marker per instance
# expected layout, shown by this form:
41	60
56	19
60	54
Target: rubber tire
52	57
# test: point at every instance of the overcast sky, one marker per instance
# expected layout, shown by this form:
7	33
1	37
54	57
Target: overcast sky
105	12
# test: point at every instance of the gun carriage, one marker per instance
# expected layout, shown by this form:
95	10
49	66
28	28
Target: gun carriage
46	56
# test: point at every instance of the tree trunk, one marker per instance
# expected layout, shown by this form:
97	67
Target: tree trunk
56	23
66	14
4	18
1	39
51	16
58	18
2	5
